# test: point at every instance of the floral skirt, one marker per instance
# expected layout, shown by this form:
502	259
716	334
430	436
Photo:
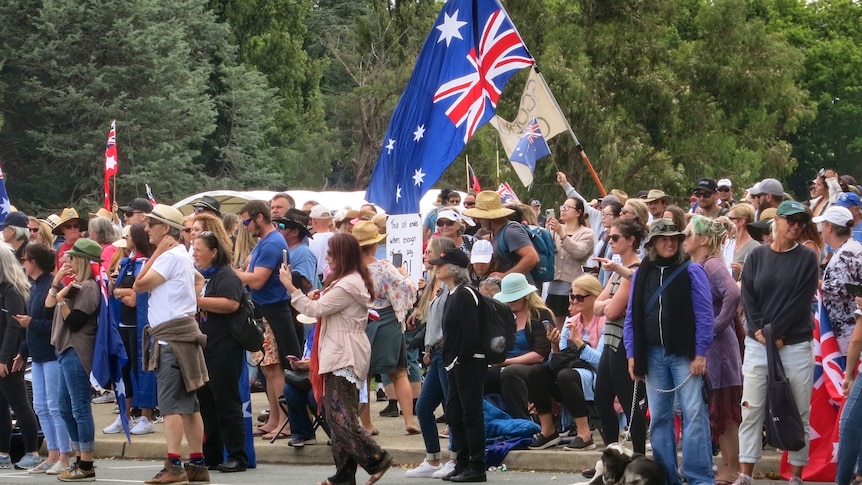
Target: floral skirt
269	354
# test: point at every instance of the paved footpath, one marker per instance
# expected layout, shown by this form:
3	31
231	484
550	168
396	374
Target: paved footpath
407	450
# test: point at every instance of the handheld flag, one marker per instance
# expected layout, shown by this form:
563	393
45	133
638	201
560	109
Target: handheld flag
110	162
150	194
5	205
474	180
468	57
109	354
530	148
507	195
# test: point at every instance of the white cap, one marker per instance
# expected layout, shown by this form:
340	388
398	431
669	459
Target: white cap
454	215
320	212
725	183
840	216
482	251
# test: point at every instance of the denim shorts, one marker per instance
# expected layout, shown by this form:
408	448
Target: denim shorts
173	397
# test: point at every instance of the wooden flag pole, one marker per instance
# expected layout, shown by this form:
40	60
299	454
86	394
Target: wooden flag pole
467	171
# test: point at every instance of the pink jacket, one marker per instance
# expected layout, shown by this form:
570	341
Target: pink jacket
343	309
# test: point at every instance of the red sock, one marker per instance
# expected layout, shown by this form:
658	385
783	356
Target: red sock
192	456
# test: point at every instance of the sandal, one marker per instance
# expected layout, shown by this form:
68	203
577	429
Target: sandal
260	432
272	436
385	463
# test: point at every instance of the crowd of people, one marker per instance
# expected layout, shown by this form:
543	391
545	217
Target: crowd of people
652	322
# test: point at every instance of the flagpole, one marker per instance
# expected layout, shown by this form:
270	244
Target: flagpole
580	147
467	170
497	161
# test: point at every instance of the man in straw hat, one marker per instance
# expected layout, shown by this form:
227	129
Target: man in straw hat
177	354
656	201
521	256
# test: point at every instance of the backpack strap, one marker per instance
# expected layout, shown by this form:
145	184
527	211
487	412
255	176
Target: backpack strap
654	298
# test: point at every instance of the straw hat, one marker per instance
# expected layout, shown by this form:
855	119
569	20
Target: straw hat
68	214
122	242
102	212
488	206
655	195
167	215
366	233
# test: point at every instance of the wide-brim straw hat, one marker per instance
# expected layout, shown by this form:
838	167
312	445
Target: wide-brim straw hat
68	214
366	233
102	212
167	215
123	241
655	195
488	206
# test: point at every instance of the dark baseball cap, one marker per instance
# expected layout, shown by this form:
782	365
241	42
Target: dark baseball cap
138	205
16	219
452	256
706	184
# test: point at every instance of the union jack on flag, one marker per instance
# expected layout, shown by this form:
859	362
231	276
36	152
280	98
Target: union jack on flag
468	57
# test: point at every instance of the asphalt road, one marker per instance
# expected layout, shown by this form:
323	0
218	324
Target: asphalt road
132	471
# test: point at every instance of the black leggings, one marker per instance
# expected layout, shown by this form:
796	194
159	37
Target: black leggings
614	381
14	393
567	389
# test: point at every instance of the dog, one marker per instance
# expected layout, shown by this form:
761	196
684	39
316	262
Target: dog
622	466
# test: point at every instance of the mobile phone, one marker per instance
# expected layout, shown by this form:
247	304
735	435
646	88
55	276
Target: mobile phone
590	270
550	214
397	259
284	259
75	288
854	289
291	358
548	325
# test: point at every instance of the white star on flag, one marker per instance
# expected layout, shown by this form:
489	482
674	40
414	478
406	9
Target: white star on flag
5	206
418	177
419	133
110	163
390	146
450	28
397	193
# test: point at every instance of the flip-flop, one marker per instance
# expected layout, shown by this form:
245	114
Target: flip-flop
372	431
385	463
260	432
270	436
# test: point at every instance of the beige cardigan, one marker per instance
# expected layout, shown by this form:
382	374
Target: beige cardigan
343	309
187	342
572	253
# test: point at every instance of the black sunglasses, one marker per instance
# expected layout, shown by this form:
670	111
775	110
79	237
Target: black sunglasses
578	298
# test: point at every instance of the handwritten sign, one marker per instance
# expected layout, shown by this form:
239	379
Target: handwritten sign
404	236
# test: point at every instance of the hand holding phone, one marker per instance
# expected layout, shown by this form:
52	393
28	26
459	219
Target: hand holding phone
550	214
284	257
397	260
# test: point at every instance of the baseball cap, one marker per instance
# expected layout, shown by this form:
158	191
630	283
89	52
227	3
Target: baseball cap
451	256
791	208
848	199
139	204
725	183
771	187
840	216
456	216
320	212
707	184
482	252
16	219
535	203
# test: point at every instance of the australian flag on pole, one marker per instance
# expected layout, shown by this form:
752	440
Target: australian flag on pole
468	57
5	205
109	354
531	147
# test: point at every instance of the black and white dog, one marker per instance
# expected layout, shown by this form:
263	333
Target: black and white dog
621	466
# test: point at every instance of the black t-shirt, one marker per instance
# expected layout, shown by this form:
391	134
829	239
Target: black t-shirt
128	314
223	283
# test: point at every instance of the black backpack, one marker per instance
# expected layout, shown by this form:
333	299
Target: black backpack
247	326
497	327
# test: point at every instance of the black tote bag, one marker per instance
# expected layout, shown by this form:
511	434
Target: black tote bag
784	429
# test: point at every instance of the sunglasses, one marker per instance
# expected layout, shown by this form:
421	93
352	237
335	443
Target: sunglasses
723	189
614	237
578	298
469	204
455	201
72	225
701	194
130	213
792	221
187	229
445	223
246	222
198	210
33	230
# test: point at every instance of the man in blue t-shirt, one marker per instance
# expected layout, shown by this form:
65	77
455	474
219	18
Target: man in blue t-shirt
852	202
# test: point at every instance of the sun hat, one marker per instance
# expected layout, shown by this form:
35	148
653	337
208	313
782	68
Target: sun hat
366	233
167	215
52	220
451	256
621	195
791	208
320	212
122	242
488	206
757	228
840	216
139	204
663	227
102	212
482	252
68	214
208	202
655	194
86	248
848	199
293	219
514	287
16	219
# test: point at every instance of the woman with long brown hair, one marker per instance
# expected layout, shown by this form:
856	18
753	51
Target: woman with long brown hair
340	357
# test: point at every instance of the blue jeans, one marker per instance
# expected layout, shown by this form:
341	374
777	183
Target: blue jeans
850	441
46	403
299	401
75	407
435	390
666	371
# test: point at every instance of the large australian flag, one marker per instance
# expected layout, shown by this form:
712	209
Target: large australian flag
5	206
468	57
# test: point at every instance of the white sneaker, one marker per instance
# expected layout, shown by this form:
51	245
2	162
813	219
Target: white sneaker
425	470
444	470
114	428
143	426
106	397
57	469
